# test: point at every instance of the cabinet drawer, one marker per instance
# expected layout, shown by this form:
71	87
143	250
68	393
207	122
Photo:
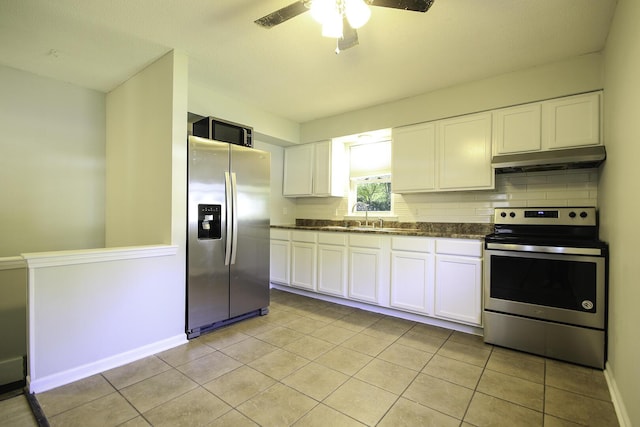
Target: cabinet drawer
364	241
412	244
304	236
332	239
280	234
459	247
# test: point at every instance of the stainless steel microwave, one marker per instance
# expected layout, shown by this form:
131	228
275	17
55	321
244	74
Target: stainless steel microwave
225	131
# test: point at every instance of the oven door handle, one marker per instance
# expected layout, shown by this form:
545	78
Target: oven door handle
544	249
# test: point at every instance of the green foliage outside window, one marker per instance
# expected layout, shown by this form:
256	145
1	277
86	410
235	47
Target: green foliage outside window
377	195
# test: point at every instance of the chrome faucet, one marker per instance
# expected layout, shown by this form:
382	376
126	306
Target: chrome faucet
366	212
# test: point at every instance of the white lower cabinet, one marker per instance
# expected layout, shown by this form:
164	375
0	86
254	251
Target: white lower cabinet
368	268
303	259
280	254
364	274
458	280
437	277
412	274
332	264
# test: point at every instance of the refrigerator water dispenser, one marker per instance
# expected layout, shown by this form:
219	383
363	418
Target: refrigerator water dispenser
209	222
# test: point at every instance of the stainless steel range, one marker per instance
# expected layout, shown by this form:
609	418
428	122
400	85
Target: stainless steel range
546	284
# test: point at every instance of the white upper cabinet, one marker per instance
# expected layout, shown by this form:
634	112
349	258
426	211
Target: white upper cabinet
517	129
413	158
298	170
314	170
569	122
464	153
572	122
322	169
445	155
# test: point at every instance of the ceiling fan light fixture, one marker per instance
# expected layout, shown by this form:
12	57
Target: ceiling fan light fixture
321	10
332	26
357	12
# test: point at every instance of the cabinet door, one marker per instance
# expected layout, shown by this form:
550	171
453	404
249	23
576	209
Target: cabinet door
459	288
322	169
411	281
517	129
464	153
332	270
572	122
303	265
364	274
279	261
298	171
413	158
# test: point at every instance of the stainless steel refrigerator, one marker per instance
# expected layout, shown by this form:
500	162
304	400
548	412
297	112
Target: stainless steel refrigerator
228	234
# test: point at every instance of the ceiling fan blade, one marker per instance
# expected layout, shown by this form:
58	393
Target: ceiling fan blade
284	14
349	37
413	5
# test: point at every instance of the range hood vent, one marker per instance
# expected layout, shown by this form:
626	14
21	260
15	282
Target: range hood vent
572	158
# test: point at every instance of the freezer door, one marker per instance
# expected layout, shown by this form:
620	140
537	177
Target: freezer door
207	274
249	289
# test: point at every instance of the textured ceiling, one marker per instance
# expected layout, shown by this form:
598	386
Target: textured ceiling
290	70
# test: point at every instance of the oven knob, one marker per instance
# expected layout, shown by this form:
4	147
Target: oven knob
503	214
512	214
583	214
572	214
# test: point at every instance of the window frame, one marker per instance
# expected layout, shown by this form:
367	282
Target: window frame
375	178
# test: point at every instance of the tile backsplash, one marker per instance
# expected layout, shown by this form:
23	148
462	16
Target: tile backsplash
577	187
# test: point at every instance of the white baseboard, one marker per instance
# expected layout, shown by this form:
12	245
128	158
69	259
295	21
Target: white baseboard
616	398
49	382
469	329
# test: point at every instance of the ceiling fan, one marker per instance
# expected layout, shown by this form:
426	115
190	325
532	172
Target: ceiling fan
339	18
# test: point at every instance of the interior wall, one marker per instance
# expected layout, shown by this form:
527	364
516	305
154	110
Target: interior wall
272	129
139	159
575	75
620	201
13	319
179	157
283	209
52	164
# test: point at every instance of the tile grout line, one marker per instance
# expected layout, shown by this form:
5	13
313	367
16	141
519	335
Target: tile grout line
475	389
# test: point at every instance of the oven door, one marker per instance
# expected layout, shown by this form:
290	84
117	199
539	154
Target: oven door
549	286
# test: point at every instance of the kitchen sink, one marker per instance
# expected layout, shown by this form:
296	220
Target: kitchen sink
396	230
356	228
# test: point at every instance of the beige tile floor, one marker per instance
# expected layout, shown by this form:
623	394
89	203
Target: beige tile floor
313	363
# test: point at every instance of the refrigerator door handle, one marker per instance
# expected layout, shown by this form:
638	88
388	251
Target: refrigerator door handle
234	213
229	214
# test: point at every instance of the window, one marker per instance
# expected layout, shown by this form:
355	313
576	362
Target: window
370	176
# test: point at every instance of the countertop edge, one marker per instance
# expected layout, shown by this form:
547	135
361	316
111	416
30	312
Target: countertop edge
409	232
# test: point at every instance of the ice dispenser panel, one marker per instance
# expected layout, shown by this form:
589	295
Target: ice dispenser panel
209	221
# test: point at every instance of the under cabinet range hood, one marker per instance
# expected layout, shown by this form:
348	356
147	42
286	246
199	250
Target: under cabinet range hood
572	158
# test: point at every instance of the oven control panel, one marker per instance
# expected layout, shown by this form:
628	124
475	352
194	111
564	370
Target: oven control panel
582	216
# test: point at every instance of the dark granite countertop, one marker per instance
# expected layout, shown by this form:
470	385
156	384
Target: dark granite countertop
420	229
